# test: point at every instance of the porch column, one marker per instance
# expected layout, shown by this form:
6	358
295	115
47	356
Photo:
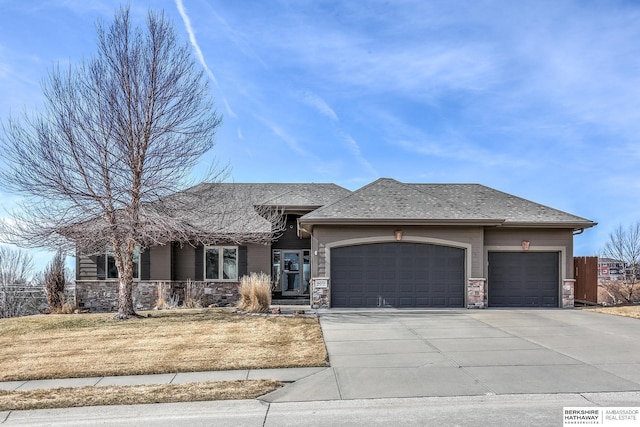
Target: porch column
568	293
320	292
477	293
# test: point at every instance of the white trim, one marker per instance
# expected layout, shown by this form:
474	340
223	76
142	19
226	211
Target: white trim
220	263
405	239
560	250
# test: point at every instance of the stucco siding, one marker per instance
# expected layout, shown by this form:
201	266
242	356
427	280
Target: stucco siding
160	262
259	258
539	239
469	237
184	263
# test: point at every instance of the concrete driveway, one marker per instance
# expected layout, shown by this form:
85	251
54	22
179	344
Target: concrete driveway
420	353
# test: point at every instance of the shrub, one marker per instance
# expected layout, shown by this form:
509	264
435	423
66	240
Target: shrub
166	299
255	293
54	282
193	295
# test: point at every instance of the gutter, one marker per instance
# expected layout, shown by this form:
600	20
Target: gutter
302	222
559	224
397	221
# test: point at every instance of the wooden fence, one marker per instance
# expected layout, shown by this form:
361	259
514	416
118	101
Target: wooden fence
586	275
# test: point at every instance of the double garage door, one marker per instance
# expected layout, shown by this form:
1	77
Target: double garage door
397	275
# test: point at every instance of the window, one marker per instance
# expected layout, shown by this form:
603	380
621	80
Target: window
107	264
221	263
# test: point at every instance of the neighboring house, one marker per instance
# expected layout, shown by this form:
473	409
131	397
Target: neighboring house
388	244
611	269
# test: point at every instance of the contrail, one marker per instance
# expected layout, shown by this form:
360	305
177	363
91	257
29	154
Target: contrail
194	42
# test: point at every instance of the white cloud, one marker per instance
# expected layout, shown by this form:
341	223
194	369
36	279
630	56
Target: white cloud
228	108
353	146
319	104
283	135
194	42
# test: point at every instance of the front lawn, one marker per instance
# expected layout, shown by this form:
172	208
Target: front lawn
86	345
134	395
623	310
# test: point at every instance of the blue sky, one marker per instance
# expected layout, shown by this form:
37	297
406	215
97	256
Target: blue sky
538	98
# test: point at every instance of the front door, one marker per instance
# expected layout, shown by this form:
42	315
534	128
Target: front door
291	279
291	271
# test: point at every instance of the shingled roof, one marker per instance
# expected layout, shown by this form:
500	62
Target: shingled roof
284	195
390	201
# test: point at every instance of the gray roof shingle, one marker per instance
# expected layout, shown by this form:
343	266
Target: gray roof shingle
280	194
390	200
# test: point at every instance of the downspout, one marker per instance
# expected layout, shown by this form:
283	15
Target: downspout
577	232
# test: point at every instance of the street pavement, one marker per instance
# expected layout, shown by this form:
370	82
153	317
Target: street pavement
414	367
539	410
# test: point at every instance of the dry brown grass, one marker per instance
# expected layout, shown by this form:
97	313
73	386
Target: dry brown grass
255	293
85	345
626	310
133	395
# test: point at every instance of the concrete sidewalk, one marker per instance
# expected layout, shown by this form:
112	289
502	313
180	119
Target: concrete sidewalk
284	375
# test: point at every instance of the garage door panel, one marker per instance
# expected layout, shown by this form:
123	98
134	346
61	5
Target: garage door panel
372	275
523	279
438	302
388	288
388	275
398	275
456	301
407	302
405	275
406	288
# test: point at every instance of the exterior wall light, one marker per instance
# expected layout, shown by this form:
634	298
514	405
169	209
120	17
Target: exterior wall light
398	234
525	245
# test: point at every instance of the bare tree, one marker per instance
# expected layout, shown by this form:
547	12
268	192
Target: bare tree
16	272
55	280
624	245
118	133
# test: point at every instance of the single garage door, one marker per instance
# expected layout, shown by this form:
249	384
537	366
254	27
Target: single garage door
523	279
397	274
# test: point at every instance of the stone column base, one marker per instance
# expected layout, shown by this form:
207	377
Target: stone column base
568	293
477	293
320	293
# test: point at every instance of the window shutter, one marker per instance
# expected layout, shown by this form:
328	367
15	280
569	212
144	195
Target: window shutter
101	261
242	262
145	264
199	274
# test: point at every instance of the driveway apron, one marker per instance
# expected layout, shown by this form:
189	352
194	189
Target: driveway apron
419	353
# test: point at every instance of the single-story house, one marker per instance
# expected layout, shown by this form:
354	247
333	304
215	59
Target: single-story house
387	244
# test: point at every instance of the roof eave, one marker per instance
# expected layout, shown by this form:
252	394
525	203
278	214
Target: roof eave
400	221
290	208
575	225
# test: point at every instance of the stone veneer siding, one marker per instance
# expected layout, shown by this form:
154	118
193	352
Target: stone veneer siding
477	293
101	296
568	293
319	297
